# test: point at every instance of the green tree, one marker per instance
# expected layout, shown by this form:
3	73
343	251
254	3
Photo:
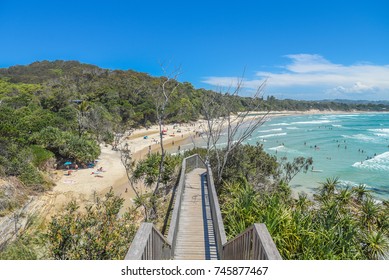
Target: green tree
67	145
83	108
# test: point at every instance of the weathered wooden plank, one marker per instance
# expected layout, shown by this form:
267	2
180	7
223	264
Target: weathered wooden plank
139	242
269	249
148	244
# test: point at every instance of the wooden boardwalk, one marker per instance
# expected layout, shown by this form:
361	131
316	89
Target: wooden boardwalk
196	236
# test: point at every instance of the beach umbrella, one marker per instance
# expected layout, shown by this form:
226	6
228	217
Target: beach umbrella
67	163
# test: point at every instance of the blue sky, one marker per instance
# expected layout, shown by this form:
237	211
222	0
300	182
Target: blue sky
305	49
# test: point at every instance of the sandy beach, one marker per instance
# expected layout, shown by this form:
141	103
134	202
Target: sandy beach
83	184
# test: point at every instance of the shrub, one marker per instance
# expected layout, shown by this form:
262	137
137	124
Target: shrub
40	156
98	234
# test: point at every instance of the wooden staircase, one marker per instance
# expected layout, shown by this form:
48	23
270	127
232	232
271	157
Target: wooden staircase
196	236
196	229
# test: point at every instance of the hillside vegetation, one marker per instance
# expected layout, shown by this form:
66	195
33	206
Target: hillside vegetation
56	111
53	112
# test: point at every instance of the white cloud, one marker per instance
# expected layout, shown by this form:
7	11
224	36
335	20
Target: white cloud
358	87
313	73
310	63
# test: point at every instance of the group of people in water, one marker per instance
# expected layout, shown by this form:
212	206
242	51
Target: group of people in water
340	144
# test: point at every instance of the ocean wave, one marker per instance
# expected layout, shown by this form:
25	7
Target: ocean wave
282	148
251	140
272	135
382	132
278	148
313	122
361	137
337	125
379	162
346	183
270	130
279	124
292	127
343	116
380	191
381	135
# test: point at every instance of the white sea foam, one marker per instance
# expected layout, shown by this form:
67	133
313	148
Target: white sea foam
258	139
272	135
278	148
279	124
381	135
284	149
361	137
381	132
336	125
271	130
343	116
346	183
313	122
379	162
292	127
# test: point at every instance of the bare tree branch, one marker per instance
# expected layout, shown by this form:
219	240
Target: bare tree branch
237	126
161	98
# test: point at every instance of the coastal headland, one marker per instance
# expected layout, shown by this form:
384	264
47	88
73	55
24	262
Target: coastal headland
83	185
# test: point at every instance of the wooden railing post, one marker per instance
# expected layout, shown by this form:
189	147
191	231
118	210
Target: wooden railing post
255	243
139	242
268	248
148	244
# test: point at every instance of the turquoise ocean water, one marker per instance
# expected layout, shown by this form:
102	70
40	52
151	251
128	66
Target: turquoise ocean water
353	147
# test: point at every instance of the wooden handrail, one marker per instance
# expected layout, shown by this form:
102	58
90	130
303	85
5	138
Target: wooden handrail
217	219
255	243
149	244
173	227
